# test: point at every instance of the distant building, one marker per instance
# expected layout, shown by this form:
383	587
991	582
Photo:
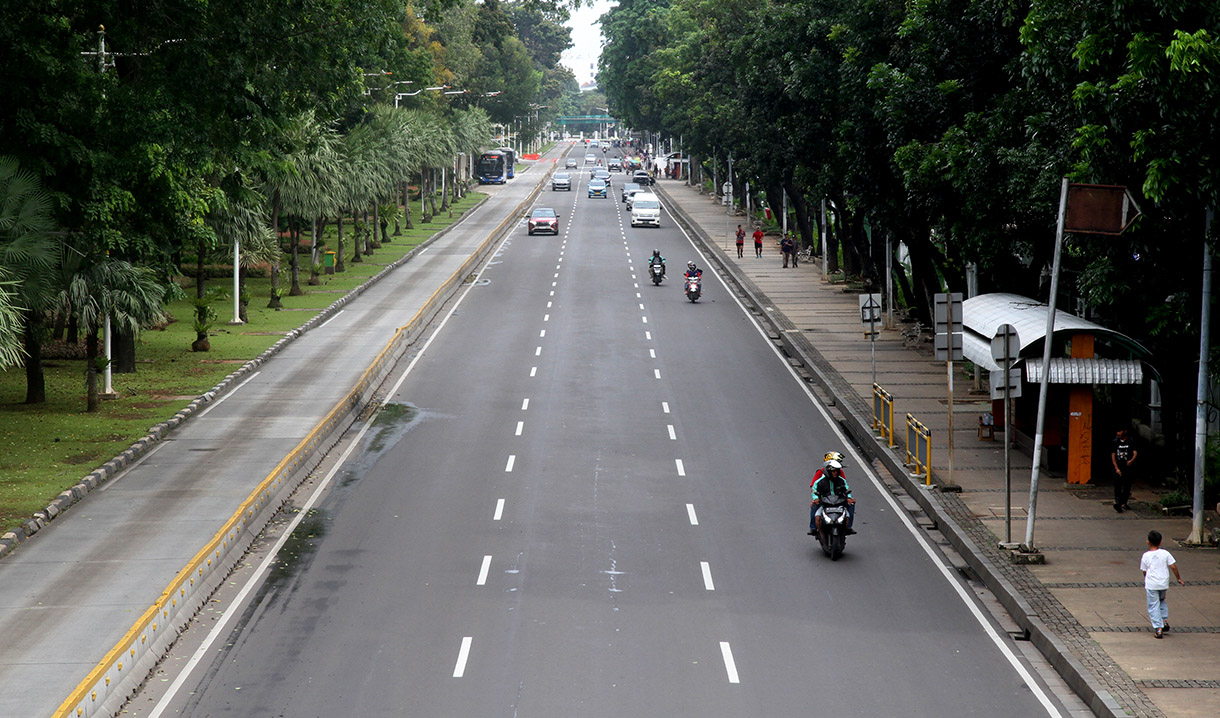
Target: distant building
589	86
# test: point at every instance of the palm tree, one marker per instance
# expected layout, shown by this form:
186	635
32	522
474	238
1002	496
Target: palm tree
29	255
130	295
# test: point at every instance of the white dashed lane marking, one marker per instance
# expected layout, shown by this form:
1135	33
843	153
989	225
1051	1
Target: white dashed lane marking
500	510
512	459
681	468
459	670
520	427
482	581
707	574
690	514
672	435
729	666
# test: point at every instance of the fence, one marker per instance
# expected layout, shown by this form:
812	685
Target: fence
883	413
919	443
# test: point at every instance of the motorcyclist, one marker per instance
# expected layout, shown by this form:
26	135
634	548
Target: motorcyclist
656	258
829	481
693	271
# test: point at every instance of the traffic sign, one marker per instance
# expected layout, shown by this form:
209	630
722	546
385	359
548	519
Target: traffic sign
1006	390
870	314
947	319
1005	345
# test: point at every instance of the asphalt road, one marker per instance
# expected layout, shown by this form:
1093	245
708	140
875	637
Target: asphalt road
595	504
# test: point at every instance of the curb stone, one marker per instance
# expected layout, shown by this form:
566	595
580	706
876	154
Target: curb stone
1095	683
28	527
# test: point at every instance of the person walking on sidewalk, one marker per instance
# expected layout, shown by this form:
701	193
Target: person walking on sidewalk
741	241
1123	458
785	246
1156	565
758	237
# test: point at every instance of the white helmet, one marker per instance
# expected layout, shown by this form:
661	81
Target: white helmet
833	465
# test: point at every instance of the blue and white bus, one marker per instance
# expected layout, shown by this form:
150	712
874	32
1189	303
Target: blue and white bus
491	168
510	159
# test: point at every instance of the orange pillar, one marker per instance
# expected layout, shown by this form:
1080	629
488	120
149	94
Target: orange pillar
1080	419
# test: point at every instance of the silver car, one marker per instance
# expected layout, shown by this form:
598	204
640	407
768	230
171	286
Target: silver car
561	181
629	189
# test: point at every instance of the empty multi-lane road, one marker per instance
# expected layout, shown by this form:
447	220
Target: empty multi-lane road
593	502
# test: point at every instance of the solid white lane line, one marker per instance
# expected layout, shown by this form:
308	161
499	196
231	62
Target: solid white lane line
512	459
652	353
464	653
533	370
233	391
672	435
690	513
500	510
729	666
525	404
707	573
487	565
665	406
520	427
681	468
648	335
328	321
538	351
945	569
541	333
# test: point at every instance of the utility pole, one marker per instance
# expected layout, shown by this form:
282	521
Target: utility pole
1205	319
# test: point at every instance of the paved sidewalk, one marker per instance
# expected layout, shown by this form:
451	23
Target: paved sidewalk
1086	604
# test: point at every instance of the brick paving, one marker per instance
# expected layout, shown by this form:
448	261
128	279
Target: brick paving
816	321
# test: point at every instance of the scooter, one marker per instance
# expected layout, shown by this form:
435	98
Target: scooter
694	288
656	270
833	532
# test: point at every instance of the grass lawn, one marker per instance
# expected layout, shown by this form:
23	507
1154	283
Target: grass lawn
49	447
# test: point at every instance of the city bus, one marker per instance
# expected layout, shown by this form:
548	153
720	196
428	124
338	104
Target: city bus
510	160
491	168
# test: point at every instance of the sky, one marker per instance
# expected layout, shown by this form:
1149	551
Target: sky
586	40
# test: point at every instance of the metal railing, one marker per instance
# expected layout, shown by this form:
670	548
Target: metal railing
883	413
919	449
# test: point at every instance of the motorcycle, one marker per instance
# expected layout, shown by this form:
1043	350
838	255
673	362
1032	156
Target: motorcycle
656	270
694	288
833	532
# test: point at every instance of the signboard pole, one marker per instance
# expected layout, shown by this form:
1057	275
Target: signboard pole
949	375
1044	384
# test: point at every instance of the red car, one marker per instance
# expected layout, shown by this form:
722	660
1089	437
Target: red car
543	219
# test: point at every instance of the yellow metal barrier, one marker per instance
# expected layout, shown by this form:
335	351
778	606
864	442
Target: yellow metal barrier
919	443
883	413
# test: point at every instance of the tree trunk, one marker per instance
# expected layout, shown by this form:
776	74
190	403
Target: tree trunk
406	205
797	197
776	201
424	189
35	380
314	278
294	234
243	301
340	265
61	321
831	241
279	249
397	220
201	343
92	400
364	236
378	224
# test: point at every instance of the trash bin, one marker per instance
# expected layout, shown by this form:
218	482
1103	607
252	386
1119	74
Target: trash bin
767	211
328	262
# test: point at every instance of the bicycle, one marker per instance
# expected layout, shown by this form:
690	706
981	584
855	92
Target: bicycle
914	335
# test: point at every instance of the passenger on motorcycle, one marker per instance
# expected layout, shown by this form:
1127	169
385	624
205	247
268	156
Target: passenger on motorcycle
829	481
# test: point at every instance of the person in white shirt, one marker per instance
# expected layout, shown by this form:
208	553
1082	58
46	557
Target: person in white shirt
1156	565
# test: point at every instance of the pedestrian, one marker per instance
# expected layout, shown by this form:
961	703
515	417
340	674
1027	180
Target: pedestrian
796	250
1156	565
758	237
785	246
741	242
1123	458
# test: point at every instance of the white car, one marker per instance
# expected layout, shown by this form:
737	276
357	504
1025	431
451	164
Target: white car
590	158
645	210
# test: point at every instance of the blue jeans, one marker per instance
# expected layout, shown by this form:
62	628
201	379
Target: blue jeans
813	511
1158	610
